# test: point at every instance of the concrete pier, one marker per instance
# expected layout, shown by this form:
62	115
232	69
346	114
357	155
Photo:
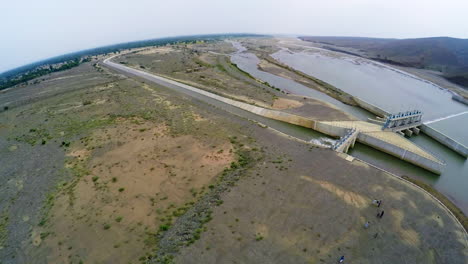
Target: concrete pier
408	132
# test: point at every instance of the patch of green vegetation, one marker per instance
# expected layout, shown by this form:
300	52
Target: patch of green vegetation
78	170
164	227
220	67
118	219
202	63
44	235
193	191
106	226
34	135
75	127
151	240
4	219
47	206
121	189
243	72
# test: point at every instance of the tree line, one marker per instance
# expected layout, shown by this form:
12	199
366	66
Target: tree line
31	71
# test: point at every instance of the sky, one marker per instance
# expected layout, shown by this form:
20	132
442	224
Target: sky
33	30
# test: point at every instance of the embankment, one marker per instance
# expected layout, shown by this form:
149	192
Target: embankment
457	212
370	107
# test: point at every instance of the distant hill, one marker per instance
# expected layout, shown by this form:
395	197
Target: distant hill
446	55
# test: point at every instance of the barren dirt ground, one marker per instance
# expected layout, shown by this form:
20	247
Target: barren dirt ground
100	168
305	205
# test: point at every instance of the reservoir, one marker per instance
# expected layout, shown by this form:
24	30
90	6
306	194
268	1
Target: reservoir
391	90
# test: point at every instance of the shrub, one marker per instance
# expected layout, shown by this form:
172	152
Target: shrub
164	227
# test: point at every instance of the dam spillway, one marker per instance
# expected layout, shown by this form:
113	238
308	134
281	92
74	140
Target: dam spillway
367	133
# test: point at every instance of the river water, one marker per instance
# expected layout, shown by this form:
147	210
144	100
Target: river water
381	85
389	89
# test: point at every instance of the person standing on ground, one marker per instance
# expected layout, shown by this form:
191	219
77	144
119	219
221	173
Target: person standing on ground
376	202
366	225
379	215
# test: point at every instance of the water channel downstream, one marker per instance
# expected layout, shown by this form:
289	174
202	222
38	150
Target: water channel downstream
406	92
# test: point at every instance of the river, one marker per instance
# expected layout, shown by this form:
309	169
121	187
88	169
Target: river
389	89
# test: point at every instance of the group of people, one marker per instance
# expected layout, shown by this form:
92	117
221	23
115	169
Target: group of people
378	203
380	214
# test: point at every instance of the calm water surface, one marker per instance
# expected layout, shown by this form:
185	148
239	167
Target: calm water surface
374	83
391	91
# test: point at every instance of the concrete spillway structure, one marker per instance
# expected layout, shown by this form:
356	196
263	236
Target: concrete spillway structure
385	141
415	129
367	133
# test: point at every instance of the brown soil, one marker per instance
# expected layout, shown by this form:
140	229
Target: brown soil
137	174
283	103
318	110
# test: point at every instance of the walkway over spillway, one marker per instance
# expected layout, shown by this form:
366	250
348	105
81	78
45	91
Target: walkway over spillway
347	141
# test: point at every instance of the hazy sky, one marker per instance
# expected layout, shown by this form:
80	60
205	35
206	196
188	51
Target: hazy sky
32	30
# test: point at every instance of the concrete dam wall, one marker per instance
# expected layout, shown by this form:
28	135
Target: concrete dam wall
370	107
445	140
